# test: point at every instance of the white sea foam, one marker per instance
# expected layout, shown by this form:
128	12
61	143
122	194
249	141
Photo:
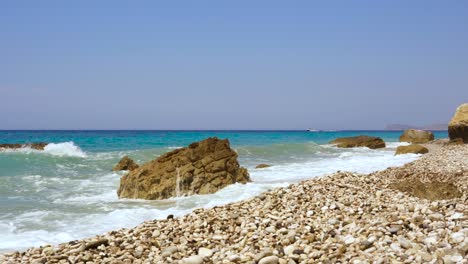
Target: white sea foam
396	144
64	149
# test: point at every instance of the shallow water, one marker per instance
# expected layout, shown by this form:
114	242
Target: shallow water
68	191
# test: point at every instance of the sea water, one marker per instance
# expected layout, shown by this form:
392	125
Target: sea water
68	191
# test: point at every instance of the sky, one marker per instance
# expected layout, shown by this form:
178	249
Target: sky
231	64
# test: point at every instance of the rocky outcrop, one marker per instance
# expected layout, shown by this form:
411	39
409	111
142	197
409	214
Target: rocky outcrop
458	126
359	141
261	166
201	168
36	146
413	148
125	163
416	136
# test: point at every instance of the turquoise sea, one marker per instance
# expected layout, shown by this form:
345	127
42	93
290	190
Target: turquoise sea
68	191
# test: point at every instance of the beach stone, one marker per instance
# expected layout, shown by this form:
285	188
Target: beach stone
169	251
193	260
201	168
234	258
458	126
269	260
416	136
430	190
205	252
96	243
359	141
413	148
289	250
125	163
261	166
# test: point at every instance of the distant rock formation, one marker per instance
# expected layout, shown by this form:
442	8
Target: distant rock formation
458	126
125	163
438	127
416	136
359	141
36	146
261	166
203	167
413	148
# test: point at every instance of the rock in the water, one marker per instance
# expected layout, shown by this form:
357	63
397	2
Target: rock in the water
413	148
203	167
359	141
458	126
36	146
125	163
416	136
261	166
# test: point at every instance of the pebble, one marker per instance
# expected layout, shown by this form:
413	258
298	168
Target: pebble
269	260
205	252
193	260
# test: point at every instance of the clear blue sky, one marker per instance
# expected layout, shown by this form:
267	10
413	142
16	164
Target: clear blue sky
231	64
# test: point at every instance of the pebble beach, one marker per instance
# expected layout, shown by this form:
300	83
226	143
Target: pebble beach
339	218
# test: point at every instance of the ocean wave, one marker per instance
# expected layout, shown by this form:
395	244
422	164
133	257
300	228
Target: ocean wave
63	149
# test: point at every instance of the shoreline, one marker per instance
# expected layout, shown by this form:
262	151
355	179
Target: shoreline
289	238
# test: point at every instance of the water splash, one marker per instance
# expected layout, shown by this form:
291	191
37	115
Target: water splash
177	187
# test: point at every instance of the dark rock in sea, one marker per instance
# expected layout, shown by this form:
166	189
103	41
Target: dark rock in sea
359	141
416	136
458	126
125	163
36	146
261	166
413	148
203	167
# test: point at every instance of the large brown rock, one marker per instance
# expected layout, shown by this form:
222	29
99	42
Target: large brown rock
36	146
125	163
201	168
413	148
458	126
416	136
359	141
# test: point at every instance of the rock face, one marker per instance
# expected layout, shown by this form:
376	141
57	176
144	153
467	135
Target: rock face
416	136
359	141
261	166
36	146
201	168
413	148
458	126
125	163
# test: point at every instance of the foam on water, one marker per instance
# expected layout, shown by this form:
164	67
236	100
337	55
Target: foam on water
64	149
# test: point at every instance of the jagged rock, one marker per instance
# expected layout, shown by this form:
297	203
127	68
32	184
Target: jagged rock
458	126
201	168
413	148
416	136
261	166
359	141
36	146
125	163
